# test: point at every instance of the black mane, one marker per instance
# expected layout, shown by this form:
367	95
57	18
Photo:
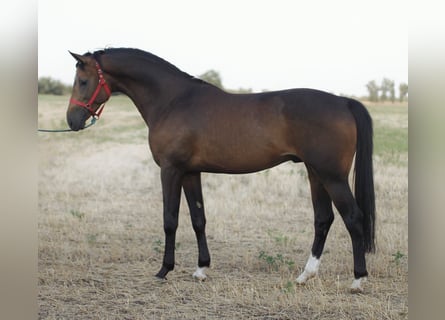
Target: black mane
144	55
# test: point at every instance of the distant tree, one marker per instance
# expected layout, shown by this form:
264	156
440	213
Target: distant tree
240	90
403	91
47	85
387	86
392	91
212	77
373	90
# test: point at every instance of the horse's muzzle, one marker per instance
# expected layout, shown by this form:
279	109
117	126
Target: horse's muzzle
76	118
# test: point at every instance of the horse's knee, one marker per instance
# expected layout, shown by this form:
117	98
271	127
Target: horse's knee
199	225
170	227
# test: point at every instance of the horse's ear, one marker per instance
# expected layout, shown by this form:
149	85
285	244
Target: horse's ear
79	58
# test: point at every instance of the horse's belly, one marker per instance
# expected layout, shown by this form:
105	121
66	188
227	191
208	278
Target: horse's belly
246	160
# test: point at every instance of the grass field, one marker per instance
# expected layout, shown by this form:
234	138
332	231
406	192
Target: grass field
101	236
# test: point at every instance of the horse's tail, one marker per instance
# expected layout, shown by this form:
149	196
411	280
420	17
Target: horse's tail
363	171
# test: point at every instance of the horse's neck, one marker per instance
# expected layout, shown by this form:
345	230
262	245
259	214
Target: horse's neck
151	93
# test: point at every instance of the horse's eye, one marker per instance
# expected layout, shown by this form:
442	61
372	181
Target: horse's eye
83	83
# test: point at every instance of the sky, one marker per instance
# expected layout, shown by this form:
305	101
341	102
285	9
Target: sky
336	46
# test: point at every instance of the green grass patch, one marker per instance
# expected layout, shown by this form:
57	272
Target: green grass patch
390	131
275	261
390	141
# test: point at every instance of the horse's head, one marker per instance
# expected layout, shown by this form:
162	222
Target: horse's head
90	92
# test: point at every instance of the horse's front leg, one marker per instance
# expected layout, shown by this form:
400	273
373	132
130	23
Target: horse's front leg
171	179
193	192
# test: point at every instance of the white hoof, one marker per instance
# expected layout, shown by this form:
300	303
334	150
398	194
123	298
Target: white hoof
305	276
310	270
356	286
199	274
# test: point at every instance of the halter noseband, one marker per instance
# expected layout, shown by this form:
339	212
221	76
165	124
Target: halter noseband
102	83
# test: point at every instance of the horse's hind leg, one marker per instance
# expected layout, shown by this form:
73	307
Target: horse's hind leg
346	205
323	218
193	192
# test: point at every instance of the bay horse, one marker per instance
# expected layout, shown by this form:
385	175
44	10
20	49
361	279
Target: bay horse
196	127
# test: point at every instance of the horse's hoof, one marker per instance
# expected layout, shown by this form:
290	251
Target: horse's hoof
160	279
305	276
199	274
310	270
356	290
356	286
162	273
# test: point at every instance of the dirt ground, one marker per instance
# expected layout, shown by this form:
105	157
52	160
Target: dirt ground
101	236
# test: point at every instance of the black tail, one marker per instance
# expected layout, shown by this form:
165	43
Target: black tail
363	172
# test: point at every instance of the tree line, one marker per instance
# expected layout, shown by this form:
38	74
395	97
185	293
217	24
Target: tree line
383	92
376	93
213	77
48	85
386	91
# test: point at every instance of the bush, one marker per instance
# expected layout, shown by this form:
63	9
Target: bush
47	85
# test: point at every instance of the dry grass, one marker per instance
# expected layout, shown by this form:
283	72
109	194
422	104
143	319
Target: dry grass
101	237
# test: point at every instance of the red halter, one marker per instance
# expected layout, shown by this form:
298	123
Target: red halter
102	83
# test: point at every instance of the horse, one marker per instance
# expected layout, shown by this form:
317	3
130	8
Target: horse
197	127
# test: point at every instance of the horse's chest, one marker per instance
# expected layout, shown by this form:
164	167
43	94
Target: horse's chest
170	147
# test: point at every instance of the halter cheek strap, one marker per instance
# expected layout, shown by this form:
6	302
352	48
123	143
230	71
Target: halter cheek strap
102	84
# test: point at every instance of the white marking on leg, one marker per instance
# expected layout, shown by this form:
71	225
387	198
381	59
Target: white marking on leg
310	270
200	274
356	286
198	204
